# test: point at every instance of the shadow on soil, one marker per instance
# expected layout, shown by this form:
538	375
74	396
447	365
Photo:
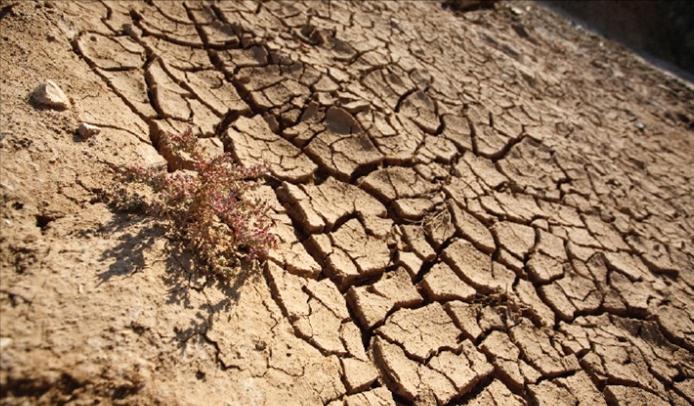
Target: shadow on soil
142	243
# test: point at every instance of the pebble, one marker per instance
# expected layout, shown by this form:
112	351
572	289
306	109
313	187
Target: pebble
5	342
87	130
49	94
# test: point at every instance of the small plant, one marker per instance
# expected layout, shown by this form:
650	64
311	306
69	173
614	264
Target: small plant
209	208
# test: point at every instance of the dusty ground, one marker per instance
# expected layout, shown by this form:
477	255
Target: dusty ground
483	208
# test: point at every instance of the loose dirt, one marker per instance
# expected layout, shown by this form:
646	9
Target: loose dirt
480	207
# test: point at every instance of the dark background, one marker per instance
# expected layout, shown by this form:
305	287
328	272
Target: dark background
663	29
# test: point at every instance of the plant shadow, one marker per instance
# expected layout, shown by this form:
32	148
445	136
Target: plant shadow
139	237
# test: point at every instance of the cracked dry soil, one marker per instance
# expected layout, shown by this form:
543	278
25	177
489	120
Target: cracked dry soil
488	208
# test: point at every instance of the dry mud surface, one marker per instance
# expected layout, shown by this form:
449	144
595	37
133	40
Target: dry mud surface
488	208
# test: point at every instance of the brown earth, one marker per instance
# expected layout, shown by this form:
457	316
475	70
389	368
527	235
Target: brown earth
482	208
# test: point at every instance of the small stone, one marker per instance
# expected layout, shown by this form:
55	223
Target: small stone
49	94
87	130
